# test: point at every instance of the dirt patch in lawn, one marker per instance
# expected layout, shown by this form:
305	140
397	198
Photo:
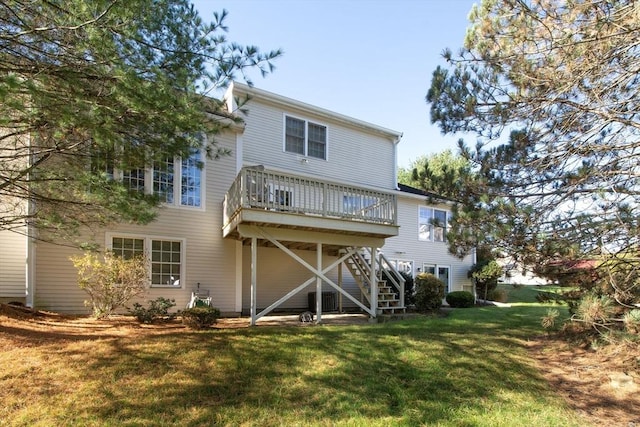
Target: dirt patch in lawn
603	386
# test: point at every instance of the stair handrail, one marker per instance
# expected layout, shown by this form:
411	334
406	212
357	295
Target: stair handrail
395	277
361	260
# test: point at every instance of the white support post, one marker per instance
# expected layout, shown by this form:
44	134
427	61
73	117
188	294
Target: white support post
374	283
319	284
340	285
254	275
238	275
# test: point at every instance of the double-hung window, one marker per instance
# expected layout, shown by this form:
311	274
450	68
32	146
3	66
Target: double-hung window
163	175
165	256
305	138
175	181
432	224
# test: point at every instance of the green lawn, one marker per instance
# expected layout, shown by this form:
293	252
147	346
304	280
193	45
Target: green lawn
527	293
468	369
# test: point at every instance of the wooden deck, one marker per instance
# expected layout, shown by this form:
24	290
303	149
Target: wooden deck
287	203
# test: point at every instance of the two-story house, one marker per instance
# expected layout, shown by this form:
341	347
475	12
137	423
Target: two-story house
306	204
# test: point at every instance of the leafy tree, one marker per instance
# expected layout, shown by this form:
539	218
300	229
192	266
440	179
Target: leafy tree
551	90
92	85
485	275
441	173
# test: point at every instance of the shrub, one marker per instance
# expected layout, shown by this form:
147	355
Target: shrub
460	299
158	311
499	295
429	292
110	282
409	289
631	321
200	317
549	321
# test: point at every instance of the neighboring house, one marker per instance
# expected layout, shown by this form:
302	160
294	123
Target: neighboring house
517	274
296	210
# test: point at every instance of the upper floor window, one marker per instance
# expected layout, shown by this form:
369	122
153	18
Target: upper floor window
432	224
305	138
174	181
191	180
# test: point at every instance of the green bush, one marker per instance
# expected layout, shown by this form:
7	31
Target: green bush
110	281
158	311
200	317
429	292
460	299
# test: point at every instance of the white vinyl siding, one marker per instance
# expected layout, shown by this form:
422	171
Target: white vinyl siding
407	245
352	153
208	259
13	262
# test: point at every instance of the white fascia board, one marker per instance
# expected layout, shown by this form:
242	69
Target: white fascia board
424	198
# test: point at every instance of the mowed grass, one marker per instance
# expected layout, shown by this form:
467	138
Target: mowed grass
518	294
470	368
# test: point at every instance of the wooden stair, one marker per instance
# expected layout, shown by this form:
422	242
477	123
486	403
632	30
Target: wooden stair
359	266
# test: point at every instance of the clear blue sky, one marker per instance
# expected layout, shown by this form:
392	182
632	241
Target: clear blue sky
368	59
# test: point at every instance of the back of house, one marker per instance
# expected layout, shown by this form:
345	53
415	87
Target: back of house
306	203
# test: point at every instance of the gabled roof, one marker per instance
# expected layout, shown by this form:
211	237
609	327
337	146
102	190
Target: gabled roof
255	93
412	190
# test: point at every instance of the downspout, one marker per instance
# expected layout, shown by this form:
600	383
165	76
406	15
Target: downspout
30	265
30	281
395	161
474	259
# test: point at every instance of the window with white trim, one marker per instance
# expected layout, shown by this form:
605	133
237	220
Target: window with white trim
175	181
191	180
305	138
165	256
280	195
163	174
432	224
403	265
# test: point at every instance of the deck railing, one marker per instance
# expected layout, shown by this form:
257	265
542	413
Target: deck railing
255	187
